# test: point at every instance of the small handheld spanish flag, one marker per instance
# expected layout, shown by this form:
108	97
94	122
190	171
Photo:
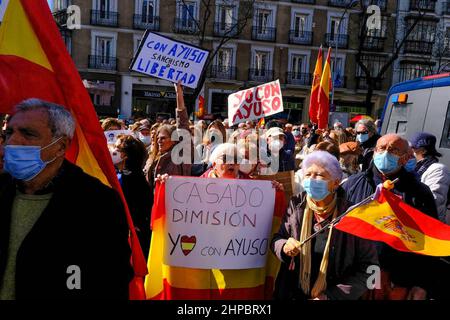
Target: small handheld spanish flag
404	228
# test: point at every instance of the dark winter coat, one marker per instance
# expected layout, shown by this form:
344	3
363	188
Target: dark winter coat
349	257
84	225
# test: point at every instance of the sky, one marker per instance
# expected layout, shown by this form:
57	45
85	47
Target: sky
50	3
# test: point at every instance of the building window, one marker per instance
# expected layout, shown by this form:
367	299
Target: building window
413	70
423	31
103	51
224	58
59	4
226	18
146	15
298	70
187	17
105	13
336	31
374	64
261	66
264	24
148	11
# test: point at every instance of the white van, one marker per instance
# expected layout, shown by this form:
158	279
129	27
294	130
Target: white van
422	104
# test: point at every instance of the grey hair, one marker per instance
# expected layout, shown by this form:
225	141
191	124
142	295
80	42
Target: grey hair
369	124
326	161
225	149
60	120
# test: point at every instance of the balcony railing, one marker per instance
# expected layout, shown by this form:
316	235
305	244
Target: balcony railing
341	39
300	79
103	62
418	46
222	29
260	75
361	83
340	82
60	18
422	5
300	37
373	43
222	72
446	7
304	1
187	26
382	4
104	18
264	33
339	3
145	22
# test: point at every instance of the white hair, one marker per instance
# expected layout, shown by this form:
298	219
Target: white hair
225	149
60	120
324	160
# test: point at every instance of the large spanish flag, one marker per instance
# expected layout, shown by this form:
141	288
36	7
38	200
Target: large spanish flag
165	282
34	63
399	225
313	100
324	94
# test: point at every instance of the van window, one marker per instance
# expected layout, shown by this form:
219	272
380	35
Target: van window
398	121
445	138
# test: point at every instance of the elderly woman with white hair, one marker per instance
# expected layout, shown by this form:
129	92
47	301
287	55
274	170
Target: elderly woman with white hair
333	265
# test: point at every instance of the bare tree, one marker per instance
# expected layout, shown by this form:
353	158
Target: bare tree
201	29
442	48
372	76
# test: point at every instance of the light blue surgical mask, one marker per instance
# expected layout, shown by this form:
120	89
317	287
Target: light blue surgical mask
24	162
386	162
144	139
410	166
316	189
362	137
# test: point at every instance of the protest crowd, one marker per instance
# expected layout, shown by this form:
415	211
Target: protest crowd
330	169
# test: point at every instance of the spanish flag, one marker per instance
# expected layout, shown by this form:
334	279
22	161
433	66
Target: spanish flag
313	101
389	220
34	63
324	94
165	282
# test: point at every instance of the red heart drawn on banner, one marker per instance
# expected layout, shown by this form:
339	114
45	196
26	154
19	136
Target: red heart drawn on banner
188	244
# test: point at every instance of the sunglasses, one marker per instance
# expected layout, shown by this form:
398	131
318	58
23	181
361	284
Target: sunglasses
362	132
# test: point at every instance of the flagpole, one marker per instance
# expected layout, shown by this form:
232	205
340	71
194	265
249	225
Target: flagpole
336	220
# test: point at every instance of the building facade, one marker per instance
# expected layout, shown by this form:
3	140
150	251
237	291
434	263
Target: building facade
281	41
426	49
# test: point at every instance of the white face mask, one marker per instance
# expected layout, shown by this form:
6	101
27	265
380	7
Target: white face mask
115	155
245	166
276	145
145	139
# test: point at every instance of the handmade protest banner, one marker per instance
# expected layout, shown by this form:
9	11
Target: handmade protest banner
167	59
218	223
111	135
255	103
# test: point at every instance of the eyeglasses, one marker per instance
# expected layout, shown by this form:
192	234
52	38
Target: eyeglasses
362	132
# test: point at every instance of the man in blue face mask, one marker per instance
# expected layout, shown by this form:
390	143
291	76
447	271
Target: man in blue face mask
55	218
367	136
410	273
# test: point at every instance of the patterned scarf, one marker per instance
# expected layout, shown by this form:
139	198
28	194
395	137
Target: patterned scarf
305	254
424	164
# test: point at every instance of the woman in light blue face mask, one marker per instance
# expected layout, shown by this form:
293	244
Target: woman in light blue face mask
329	253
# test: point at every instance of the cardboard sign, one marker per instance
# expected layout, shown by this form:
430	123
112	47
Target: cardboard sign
286	178
111	135
218	223
255	103
171	60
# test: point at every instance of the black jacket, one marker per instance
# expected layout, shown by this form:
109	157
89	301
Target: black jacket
368	149
139	198
406	269
349	257
84	225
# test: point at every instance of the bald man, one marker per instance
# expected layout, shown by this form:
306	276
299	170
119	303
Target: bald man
410	273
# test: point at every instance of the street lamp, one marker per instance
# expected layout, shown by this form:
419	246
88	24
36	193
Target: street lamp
351	4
